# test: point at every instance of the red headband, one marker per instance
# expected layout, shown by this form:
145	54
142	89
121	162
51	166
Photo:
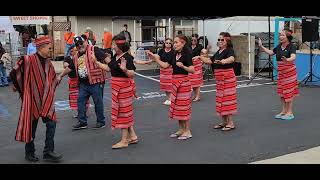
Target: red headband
120	41
289	33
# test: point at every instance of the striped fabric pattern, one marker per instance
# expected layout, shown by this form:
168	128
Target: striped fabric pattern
226	95
196	78
42	40
95	74
166	79
122	109
38	94
180	108
287	87
73	94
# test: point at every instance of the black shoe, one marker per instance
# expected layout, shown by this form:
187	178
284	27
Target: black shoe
1	85
99	126
80	126
6	85
52	156
31	157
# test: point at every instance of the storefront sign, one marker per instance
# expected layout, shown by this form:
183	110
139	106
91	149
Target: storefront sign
24	20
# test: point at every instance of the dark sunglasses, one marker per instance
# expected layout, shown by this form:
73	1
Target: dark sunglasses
79	44
220	40
168	43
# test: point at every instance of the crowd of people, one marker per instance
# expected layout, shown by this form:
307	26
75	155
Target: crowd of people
180	74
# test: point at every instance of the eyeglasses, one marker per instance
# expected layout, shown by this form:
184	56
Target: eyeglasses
168	43
79	44
220	40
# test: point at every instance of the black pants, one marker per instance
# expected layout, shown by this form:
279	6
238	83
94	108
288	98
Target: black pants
49	142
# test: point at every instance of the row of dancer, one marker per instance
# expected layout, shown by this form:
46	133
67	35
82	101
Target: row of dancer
34	78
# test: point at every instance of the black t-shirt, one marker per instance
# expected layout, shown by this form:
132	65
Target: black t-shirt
279	52
166	56
197	50
186	59
82	70
114	65
69	60
223	55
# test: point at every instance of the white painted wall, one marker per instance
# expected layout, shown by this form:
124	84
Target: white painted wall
235	26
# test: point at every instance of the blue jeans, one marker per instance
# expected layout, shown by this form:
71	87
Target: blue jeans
85	91
67	50
3	75
49	142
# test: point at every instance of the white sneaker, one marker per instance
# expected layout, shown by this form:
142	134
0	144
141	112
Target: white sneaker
167	102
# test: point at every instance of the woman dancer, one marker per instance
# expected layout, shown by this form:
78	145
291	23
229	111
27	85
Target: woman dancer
287	78
180	108
226	95
122	71
197	77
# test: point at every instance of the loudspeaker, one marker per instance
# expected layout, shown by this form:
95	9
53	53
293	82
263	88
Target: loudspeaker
310	30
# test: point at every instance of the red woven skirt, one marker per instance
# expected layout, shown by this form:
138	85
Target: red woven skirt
196	78
180	108
73	94
287	81
166	79
122	109
226	95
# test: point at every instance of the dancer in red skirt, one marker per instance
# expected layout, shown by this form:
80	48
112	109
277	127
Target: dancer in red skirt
180	108
287	74
226	95
73	82
122	71
197	77
166	54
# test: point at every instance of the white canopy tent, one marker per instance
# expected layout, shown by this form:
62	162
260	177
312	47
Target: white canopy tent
237	25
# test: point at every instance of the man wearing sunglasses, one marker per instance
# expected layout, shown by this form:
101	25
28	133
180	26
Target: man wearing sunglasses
91	81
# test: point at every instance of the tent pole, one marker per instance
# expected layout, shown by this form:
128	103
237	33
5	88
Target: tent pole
249	47
169	24
269	43
112	27
134	37
204	37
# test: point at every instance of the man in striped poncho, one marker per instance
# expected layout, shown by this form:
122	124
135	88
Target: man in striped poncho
35	79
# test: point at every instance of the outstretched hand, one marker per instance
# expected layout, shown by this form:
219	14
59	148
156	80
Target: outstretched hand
14	89
59	78
196	57
283	58
149	61
150	55
123	65
217	62
179	64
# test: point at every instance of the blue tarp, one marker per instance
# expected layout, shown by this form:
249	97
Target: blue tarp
303	66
